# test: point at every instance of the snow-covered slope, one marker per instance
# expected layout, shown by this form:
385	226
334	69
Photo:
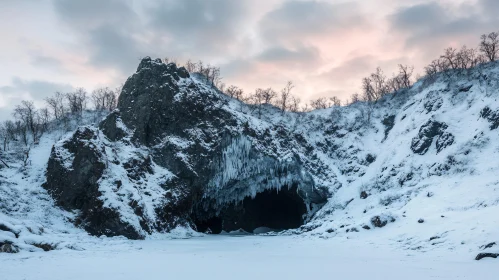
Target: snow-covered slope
434	180
417	169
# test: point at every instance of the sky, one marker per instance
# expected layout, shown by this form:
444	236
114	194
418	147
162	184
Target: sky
324	46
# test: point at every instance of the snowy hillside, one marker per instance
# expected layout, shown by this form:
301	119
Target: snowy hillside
417	170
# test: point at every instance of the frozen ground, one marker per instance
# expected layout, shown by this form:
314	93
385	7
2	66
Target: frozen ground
247	257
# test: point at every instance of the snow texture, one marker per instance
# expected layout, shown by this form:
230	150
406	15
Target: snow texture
452	186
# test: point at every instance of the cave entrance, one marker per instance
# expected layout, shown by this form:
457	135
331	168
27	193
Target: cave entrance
269	210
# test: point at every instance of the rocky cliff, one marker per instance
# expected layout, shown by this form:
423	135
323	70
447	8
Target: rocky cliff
178	152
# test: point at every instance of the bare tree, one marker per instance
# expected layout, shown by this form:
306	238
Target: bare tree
306	108
489	45
285	96
319	103
43	119
450	57
200	67
335	101
432	68
294	105
234	92
4	137
98	98
10	133
56	104
405	75
465	58
368	92
395	83
77	101
378	82
257	99
28	120
190	66
268	95
25	156
354	98
104	99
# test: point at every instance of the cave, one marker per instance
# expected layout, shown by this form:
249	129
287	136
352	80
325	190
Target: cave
274	209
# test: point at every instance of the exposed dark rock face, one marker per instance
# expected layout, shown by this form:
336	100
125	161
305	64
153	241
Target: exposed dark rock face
112	128
370	158
488	246
428	131
388	122
74	169
381	221
486	255
491	116
444	140
7	228
465	88
6	247
433	102
213	162
363	195
44	246
73	173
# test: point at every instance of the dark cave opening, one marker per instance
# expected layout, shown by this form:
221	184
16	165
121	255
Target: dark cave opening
274	209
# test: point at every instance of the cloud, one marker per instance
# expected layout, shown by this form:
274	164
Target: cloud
489	8
107	30
324	46
89	14
295	20
419	18
49	62
114	48
433	23
115	33
301	56
198	26
352	69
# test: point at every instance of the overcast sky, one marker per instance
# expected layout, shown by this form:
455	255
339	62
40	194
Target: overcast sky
324	47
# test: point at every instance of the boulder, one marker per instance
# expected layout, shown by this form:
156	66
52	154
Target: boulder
382	220
6	247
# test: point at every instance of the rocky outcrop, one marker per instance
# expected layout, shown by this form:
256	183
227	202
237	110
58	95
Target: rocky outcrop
174	153
486	255
74	170
491	116
7	247
113	127
382	220
427	133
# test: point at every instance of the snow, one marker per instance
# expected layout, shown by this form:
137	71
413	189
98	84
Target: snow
455	191
243	257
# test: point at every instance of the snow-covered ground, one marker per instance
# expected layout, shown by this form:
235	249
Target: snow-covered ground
247	257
